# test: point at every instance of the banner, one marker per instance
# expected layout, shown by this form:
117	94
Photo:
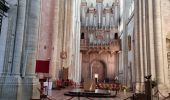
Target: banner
42	66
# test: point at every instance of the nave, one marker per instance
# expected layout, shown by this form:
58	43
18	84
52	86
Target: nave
109	41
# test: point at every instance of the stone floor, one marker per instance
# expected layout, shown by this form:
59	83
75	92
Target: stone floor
59	95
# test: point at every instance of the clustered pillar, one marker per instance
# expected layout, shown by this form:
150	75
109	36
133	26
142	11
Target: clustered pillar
21	83
149	52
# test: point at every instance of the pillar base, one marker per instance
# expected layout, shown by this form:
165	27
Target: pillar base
163	90
17	88
140	88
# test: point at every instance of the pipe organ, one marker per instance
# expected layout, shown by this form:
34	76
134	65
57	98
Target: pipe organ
98	29
99	40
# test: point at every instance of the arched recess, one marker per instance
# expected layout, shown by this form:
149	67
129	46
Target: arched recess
116	36
82	35
98	67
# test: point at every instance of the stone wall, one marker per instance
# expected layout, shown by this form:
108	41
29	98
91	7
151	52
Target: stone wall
165	21
148	42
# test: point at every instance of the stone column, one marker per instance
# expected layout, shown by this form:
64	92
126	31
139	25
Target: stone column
69	33
141	44
137	24
72	68
63	21
70	45
144	39
125	46
18	49
8	84
78	53
61	33
30	82
158	42
24	55
76	38
55	44
58	39
32	36
151	39
8	41
161	69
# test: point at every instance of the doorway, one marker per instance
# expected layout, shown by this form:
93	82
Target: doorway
98	68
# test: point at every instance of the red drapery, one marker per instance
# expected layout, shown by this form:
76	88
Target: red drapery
42	66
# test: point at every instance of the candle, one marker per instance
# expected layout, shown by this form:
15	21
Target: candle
96	75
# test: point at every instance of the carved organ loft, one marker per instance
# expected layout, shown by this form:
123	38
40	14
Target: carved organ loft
99	41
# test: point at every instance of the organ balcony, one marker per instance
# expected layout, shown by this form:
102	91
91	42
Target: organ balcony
111	46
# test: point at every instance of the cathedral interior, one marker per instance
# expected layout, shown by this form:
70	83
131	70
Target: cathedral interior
84	49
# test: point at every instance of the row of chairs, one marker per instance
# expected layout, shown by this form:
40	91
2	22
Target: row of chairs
109	86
